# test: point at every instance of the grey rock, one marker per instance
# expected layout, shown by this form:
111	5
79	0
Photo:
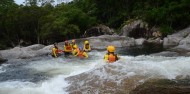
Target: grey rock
101	42
185	41
26	52
2	60
139	41
156	41
181	48
127	29
177	38
98	30
166	53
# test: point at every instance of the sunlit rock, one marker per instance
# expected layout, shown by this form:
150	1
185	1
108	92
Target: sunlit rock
25	52
139	41
166	53
175	39
101	42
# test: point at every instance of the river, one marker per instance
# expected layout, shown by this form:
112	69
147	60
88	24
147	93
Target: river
47	75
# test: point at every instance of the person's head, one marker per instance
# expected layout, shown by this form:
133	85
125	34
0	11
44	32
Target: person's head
55	44
75	47
66	42
86	42
73	41
111	49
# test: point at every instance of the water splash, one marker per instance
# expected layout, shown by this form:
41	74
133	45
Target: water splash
73	75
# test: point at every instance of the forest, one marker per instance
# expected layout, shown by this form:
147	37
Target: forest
39	21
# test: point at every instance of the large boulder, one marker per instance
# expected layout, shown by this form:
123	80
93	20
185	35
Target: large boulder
183	47
185	41
2	60
135	29
179	38
26	52
101	42
163	86
98	30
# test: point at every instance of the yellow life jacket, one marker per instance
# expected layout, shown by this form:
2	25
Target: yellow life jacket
54	52
83	55
76	52
67	48
72	44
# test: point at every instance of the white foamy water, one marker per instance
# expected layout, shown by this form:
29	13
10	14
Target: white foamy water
60	68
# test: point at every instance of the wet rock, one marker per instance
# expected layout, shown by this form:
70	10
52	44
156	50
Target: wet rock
34	47
104	80
98	30
166	53
2	60
163	86
26	52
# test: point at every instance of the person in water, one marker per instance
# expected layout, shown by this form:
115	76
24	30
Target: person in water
67	48
75	50
55	50
73	43
86	46
82	53
79	52
110	56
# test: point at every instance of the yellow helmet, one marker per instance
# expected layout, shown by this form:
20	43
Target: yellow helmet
86	42
75	46
111	48
73	40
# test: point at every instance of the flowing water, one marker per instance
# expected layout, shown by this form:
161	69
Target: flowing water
47	75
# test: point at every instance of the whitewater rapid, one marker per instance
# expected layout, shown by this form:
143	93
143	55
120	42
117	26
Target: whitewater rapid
48	75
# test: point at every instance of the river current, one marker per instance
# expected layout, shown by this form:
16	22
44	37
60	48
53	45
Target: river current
47	75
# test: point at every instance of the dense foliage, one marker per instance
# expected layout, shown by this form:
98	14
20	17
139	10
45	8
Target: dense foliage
38	21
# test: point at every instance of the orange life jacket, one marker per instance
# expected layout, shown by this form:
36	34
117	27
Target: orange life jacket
112	58
68	48
80	54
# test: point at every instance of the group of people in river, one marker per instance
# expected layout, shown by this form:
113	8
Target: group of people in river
81	52
71	49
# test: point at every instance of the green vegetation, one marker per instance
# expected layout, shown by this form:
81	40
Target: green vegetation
46	24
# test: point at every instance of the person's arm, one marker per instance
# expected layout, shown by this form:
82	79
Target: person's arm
54	52
106	58
89	47
85	55
75	52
